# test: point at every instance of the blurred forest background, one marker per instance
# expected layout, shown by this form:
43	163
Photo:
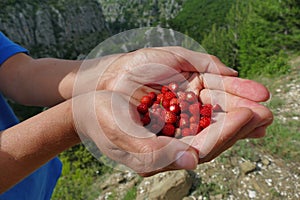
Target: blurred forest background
260	39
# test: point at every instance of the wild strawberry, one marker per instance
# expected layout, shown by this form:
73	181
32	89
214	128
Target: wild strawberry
194	128
195	109
206	110
155	105
181	96
142	108
166	104
174	101
184	115
186	132
191	97
152	95
173	87
174	108
164	89
174	115
204	122
184	106
155	112
170	117
146	100
159	98
184	122
168	130
146	120
194	119
155	128
169	95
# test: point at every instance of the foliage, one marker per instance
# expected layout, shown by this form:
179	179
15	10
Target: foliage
131	194
80	171
197	17
255	37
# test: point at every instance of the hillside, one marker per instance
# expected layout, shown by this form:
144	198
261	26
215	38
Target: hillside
261	39
267	168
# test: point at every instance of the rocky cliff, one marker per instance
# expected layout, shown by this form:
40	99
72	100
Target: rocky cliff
68	28
54	28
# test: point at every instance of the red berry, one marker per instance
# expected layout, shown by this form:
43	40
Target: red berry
170	117
206	110
181	96
146	120
152	95
191	97
169	95
194	128
155	105
195	109
204	122
142	108
155	112
194	119
164	89
166	104
168	130
155	128
174	101
173	87
184	106
146	100
184	115
184	122
174	108
159	98
186	132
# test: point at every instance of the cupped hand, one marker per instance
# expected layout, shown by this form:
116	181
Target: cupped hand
113	124
237	99
145	66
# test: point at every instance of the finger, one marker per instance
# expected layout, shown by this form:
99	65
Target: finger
227	101
239	87
202	62
259	132
182	162
253	129
224	128
124	139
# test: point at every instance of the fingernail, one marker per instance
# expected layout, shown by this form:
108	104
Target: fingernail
234	71
186	160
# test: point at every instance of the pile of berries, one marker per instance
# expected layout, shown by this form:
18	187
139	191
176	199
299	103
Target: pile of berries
174	113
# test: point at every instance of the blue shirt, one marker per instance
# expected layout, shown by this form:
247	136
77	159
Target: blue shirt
40	184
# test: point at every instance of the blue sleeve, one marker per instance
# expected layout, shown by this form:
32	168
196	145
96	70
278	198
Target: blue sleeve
40	184
8	48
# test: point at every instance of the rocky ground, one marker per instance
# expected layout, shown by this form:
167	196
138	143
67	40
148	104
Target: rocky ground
263	176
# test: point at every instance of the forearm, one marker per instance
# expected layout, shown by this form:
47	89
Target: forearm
49	81
30	144
38	82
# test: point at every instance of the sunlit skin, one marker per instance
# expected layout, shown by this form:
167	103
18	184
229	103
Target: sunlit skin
28	145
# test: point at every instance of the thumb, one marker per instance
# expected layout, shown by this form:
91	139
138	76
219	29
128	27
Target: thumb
162	153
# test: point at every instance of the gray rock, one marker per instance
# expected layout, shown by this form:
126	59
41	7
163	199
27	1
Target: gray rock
118	184
57	28
169	185
247	167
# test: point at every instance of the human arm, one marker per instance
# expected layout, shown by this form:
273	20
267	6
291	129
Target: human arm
49	81
33	142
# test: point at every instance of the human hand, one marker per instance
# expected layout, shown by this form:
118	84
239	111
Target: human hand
149	65
117	132
238	99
